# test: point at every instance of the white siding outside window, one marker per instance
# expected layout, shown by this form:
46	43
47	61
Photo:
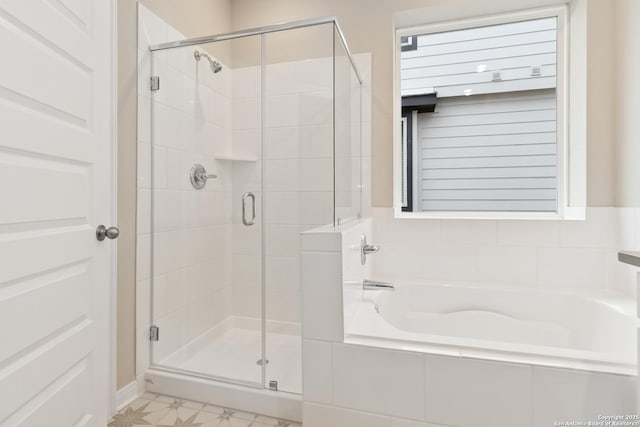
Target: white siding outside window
489	153
524	54
492	142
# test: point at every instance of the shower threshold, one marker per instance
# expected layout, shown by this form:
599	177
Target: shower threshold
286	406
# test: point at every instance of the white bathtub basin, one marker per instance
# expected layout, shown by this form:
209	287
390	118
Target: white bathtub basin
548	328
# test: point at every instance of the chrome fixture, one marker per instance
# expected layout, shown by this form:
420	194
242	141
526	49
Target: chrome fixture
154	333
366	249
154	84
273	385
215	65
103	232
372	285
251	221
199	176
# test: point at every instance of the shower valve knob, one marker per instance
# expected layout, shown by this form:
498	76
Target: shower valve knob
199	176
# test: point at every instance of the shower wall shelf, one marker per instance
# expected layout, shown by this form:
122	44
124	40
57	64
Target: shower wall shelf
234	158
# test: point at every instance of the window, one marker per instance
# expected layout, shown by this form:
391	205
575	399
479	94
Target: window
483	117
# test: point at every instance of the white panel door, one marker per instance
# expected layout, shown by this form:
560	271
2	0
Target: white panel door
56	176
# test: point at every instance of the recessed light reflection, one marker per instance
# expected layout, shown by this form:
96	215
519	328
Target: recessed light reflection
468	92
481	68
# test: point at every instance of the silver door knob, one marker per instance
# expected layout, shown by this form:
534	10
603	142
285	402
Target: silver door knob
103	232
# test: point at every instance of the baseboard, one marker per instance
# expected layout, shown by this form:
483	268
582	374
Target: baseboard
126	395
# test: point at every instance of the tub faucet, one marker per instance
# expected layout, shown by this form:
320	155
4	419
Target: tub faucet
372	285
366	249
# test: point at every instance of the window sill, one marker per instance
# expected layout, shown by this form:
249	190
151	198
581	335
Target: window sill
568	214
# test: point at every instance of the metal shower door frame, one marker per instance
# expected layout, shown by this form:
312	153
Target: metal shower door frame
262	32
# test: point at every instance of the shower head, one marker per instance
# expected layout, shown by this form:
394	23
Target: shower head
215	65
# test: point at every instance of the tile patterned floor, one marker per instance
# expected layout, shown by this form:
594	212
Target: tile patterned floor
153	410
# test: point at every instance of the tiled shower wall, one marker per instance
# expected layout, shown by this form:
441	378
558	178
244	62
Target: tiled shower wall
551	254
192	228
298	168
297	180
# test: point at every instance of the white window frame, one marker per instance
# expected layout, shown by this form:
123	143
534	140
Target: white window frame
571	172
405	178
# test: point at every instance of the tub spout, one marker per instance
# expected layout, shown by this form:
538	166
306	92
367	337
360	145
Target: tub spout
372	285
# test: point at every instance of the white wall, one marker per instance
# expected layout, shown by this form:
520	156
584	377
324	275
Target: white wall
626	51
601	141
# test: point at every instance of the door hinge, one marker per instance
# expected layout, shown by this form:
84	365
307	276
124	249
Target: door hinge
155	83
154	333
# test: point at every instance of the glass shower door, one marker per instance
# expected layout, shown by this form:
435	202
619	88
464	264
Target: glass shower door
253	140
298	181
205	201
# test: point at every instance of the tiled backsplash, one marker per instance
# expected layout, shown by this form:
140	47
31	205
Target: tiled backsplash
544	253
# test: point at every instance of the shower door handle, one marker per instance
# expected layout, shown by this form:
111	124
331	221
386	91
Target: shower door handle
252	221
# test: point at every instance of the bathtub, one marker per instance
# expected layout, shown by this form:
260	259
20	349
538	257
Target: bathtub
537	327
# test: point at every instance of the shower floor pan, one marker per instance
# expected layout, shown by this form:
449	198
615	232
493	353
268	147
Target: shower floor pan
232	350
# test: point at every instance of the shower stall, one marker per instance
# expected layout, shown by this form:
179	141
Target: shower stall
246	139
